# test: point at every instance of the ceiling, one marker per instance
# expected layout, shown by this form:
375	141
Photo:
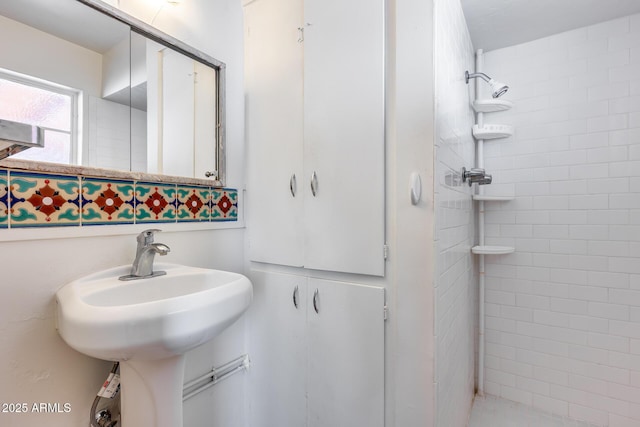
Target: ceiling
69	20
494	24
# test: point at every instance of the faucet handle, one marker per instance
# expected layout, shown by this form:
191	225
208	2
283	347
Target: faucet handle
146	237
485	180
475	175
472	173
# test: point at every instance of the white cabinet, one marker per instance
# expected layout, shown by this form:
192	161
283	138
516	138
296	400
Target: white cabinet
315	132
344	134
179	111
320	364
345	351
274	130
278	351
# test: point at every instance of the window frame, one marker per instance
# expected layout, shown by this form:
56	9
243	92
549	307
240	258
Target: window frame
75	95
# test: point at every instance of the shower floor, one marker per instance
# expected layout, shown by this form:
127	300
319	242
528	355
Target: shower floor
491	411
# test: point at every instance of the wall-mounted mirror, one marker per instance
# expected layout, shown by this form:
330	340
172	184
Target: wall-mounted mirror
110	91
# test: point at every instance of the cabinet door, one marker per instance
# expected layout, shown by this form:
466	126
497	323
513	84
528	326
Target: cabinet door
277	380
178	94
344	135
345	355
274	122
205	157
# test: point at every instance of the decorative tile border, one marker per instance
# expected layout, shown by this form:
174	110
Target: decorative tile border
37	199
194	203
107	201
155	202
224	205
4	199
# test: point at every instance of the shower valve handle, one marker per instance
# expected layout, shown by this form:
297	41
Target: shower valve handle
475	175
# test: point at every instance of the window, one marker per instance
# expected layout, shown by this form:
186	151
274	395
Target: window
52	107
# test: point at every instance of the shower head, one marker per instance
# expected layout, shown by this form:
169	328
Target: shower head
497	89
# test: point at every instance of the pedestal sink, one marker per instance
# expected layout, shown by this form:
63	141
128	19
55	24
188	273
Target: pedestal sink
148	325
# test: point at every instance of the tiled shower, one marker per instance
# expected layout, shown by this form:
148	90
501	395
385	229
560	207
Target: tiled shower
563	311
455	282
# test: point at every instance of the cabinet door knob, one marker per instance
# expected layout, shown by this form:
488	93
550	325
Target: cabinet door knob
416	188
315	301
314	183
295	296
292	185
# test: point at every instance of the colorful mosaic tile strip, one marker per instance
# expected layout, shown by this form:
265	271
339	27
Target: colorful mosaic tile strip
35	199
4	199
43	200
107	201
155	202
194	203
224	205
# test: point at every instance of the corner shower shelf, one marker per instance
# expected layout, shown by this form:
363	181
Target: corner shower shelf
484	198
492	250
491	105
492	131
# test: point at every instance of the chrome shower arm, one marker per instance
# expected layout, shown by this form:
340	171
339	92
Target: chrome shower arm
483	76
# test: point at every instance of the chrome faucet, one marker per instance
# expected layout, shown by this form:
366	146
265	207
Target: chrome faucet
145	254
476	175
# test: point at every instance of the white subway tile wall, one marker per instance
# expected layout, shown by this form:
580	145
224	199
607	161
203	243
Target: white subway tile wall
493	412
563	311
455	284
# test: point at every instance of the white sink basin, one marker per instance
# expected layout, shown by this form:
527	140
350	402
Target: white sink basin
148	325
149	319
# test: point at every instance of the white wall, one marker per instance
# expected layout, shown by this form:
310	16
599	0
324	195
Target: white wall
35	364
138	140
24	49
410	396
563	312
455	284
117	68
117	135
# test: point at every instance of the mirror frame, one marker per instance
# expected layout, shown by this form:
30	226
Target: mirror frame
158	36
